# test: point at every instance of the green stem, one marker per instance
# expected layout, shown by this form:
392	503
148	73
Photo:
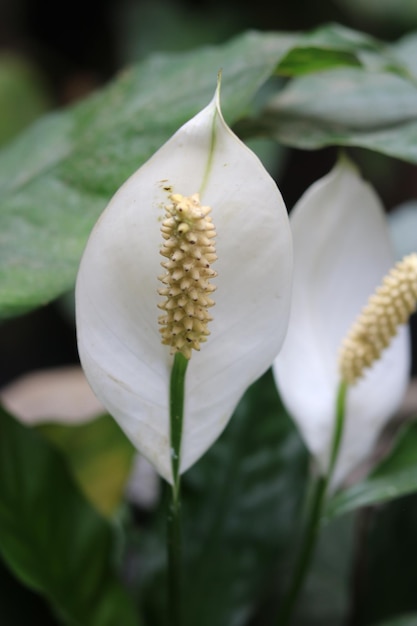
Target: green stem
314	516
176	407
176	410
174	561
306	552
338	427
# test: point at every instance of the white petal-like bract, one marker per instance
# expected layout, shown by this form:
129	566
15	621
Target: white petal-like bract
117	290
342	250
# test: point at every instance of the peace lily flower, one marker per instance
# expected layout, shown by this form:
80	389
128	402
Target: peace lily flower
342	251
205	208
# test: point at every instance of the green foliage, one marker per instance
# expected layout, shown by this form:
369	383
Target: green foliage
50	536
346	107
387	585
243	500
240	507
19	605
325	600
100	457
331	46
305	60
57	177
370	106
395	476
387	513
22	96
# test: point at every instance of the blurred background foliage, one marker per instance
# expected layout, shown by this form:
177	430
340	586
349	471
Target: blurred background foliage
53	54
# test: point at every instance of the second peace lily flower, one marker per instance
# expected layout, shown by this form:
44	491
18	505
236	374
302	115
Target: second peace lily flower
342	251
205	207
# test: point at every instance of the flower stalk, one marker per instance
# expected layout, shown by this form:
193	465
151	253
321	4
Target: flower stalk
177	396
314	515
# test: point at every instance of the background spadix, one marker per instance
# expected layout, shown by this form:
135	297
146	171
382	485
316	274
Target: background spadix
116	294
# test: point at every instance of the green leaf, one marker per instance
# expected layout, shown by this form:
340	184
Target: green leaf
339	37
325	599
19	605
57	177
405	51
100	457
349	98
22	95
394	477
334	45
303	60
386	584
241	506
50	536
346	107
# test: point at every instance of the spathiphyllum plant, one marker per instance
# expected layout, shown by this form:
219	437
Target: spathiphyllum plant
260	367
169	351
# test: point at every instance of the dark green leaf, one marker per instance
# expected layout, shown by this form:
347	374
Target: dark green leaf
340	37
241	506
19	605
325	598
50	536
100	457
57	177
395	476
386	584
304	60
22	95
353	47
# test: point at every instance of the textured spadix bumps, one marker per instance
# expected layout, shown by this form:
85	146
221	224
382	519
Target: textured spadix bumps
342	251
189	247
388	308
127	359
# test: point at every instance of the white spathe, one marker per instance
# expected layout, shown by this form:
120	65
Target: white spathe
116	293
342	251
